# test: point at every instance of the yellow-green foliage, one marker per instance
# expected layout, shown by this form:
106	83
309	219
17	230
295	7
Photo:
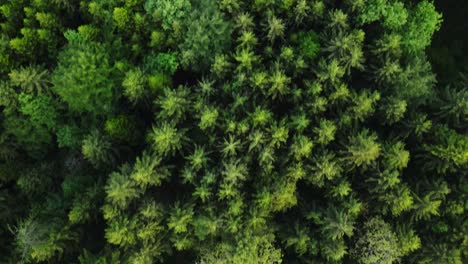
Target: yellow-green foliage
233	131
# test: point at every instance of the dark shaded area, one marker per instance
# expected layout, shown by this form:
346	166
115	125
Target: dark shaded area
449	49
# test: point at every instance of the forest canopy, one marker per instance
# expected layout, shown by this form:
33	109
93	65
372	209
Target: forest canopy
233	131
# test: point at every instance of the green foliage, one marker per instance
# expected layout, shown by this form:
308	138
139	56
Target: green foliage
26	44
394	109
98	150
333	251
363	149
83	209
208	118
174	103
395	16
8	97
68	136
39	109
396	157
377	243
208	34
449	150
300	241
326	167
370	10
30	79
120	189
82	78
146	171
171	13
325	132
409	241
161	62
364	104
399	200
166	139
40	241
330	71
275	28
423	21
120	128
426	206
441	253
34	140
251	249
121	17
416	80
179	219
134	86
454	105
121	232
336	223
265	131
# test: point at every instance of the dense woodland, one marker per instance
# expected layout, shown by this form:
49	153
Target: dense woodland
233	132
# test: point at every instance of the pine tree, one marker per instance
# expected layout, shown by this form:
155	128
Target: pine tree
336	224
31	79
362	149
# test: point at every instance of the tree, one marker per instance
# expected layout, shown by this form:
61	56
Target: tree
31	79
426	207
134	86
172	13
246	59
370	11
330	71
120	188
279	84
336	224
423	21
98	150
121	232
82	78
364	104
232	131
250	249
376	243
179	219
453	105
275	28
174	104
394	109
148	172
333	250
448	152
416	80
396	157
121	17
166	139
302	147
408	239
39	241
398	200
83	209
325	132
396	16
208	33
441	253
362	149
208	118
40	110
300	240
326	167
